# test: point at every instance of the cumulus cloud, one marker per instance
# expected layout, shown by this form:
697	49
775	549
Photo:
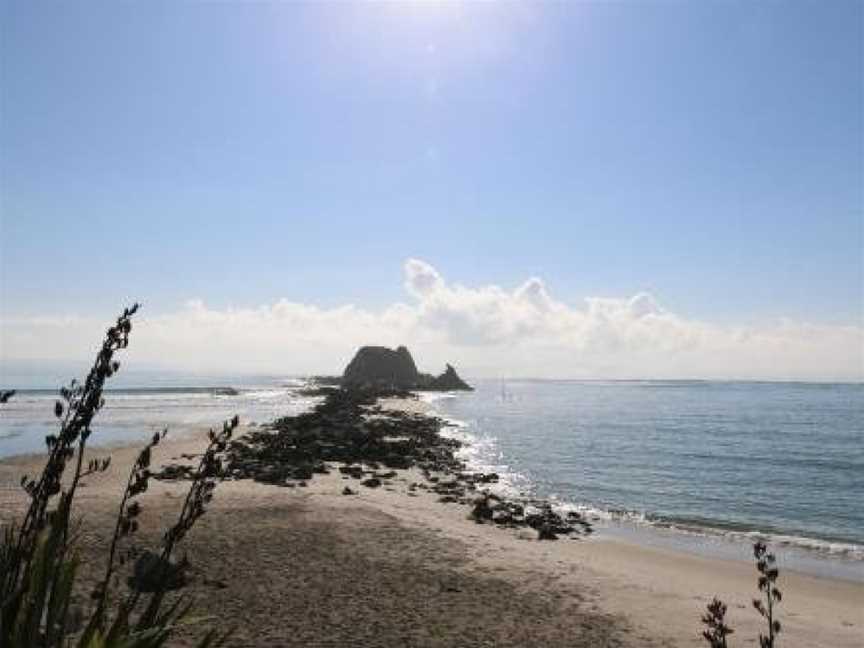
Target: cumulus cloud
643	304
486	330
421	279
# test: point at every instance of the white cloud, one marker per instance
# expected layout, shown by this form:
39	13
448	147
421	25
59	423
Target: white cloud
421	279
486	330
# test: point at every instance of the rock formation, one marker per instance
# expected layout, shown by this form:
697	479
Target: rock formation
376	366
381	367
450	381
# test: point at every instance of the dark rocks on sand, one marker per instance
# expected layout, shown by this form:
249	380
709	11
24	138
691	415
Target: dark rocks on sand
504	517
550	525
368	443
482	511
152	573
346	428
546	532
174	471
395	460
303	472
355	472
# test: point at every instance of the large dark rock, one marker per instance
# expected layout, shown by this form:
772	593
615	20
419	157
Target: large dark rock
381	367
450	381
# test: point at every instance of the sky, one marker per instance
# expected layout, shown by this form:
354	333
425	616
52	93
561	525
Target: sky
579	189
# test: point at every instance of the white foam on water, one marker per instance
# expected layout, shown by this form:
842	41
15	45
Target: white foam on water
433	397
133	414
480	454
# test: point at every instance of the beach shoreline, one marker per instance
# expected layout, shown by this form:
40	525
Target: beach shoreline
607	590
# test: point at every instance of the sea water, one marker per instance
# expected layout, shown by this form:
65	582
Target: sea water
137	405
702	466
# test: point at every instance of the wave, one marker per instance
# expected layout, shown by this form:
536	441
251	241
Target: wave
481	455
143	391
433	397
743	533
29	417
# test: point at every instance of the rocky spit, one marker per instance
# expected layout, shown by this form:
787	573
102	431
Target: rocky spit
350	432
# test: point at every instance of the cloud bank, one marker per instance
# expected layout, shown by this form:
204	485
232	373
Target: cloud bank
485	330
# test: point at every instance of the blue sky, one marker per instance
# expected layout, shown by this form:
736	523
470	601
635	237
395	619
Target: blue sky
241	153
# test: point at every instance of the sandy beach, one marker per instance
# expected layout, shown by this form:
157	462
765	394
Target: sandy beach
309	566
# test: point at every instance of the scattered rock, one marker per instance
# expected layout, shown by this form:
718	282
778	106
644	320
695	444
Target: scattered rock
482	512
174	472
503	518
151	573
355	472
340	430
399	461
350	430
348	491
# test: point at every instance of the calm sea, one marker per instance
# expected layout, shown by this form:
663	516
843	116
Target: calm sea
708	464
704	465
138	405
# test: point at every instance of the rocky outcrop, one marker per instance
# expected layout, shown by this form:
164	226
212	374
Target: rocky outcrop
380	367
450	381
376	366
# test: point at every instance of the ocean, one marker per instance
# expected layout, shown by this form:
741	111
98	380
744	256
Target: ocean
697	465
136	406
692	465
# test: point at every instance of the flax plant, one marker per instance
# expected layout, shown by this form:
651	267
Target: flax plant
715	617
38	556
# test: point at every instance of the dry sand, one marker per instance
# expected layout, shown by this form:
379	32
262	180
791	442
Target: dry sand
312	567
